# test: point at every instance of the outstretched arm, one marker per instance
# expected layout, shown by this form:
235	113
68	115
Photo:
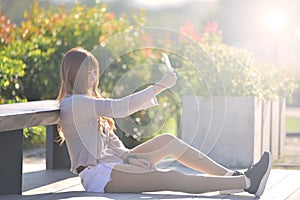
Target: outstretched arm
118	108
167	81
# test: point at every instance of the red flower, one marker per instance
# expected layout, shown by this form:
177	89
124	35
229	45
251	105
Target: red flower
189	31
110	16
53	20
211	27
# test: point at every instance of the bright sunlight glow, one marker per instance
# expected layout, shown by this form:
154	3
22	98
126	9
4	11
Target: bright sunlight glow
298	33
276	20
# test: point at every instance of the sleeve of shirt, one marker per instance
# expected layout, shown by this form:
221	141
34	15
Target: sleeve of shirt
117	145
118	108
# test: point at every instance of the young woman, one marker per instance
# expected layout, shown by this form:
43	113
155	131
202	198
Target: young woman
105	165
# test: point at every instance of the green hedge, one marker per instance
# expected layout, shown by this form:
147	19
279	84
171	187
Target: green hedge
33	51
225	70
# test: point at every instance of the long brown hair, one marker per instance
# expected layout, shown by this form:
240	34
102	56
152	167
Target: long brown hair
74	75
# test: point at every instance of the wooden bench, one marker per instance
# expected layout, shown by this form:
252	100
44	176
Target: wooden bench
15	117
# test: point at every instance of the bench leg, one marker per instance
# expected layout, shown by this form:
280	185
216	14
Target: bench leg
57	156
11	156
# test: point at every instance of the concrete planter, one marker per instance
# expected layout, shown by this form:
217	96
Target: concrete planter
234	131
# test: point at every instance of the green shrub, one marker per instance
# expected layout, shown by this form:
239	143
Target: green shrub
36	47
243	75
34	137
11	67
230	71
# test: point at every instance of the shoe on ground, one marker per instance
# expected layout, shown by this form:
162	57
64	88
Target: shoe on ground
259	174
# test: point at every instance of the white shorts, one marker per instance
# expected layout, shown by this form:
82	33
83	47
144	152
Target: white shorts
94	179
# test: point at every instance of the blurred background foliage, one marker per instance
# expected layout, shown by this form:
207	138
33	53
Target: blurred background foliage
32	50
35	48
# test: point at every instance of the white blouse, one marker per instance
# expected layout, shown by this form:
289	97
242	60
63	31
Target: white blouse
79	123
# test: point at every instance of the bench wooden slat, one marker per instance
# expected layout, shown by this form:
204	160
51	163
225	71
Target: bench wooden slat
29	114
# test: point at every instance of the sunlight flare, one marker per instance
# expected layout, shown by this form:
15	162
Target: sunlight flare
276	20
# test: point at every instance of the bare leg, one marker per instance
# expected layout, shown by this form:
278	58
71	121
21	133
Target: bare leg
129	178
166	145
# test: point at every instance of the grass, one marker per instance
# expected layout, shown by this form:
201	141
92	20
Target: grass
292	124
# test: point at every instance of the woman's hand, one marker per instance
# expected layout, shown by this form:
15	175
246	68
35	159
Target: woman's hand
167	81
141	162
133	159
